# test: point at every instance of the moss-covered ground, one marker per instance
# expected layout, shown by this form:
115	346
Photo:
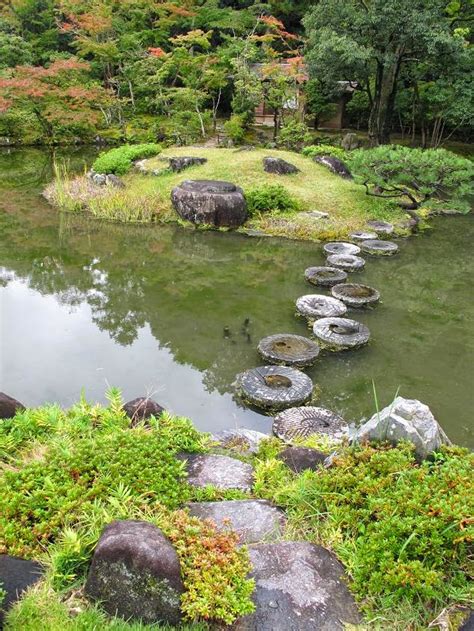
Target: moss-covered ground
147	197
402	529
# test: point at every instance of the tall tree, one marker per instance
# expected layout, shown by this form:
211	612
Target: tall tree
369	43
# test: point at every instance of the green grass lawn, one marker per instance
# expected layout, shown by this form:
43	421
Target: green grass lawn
147	197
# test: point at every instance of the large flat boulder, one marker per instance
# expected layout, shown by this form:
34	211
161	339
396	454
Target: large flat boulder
253	520
407	420
210	202
184	162
219	471
135	573
16	576
299	587
338	167
9	406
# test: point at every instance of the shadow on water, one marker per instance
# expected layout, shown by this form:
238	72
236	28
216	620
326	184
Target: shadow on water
164	310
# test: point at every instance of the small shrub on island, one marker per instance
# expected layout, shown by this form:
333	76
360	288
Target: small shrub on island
293	135
324	150
119	160
270	198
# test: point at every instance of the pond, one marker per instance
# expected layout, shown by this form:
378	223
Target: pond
162	310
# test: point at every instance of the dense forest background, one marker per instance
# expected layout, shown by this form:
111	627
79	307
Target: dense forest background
149	70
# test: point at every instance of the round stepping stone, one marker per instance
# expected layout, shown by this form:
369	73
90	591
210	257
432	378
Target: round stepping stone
346	262
243	441
292	350
380	227
315	214
325	276
340	247
253	520
381	248
135	573
314	306
275	387
219	471
355	295
299	423
341	333
360	235
298	586
16	576
300	459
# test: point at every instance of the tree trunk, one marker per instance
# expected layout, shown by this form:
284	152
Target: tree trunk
381	114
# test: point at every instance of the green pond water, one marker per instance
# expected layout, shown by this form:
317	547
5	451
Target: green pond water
86	304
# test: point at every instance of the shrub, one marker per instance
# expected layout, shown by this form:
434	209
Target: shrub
270	198
402	529
235	128
294	135
120	159
324	150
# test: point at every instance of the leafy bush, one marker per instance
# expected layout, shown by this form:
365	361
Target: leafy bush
414	176
402	529
294	135
235	128
324	150
120	159
270	198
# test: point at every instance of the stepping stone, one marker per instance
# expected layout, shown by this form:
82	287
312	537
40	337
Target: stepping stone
16	575
346	262
300	423
9	406
340	247
301	458
380	227
380	248
142	408
298	587
135	573
243	441
325	276
219	471
361	235
289	349
275	387
355	295
253	520
314	306
339	334
315	214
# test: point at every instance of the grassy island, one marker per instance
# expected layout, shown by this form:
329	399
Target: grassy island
401	528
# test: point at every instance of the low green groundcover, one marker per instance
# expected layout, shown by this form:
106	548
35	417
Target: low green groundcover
402	529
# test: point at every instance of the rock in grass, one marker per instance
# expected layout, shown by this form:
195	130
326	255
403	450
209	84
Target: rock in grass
210	202
404	419
184	162
142	408
253	520
299	587
9	406
302	422
278	166
338	167
16	576
288	349
338	334
241	440
219	471
302	458
275	387
324	276
135	573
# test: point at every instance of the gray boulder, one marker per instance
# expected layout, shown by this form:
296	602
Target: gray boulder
210	202
16	576
113	180
253	520
335	165
142	408
241	440
135	573
350	141
299	587
404	419
278	166
9	406
301	458
184	162
219	471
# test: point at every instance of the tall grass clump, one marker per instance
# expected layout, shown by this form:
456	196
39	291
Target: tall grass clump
119	160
